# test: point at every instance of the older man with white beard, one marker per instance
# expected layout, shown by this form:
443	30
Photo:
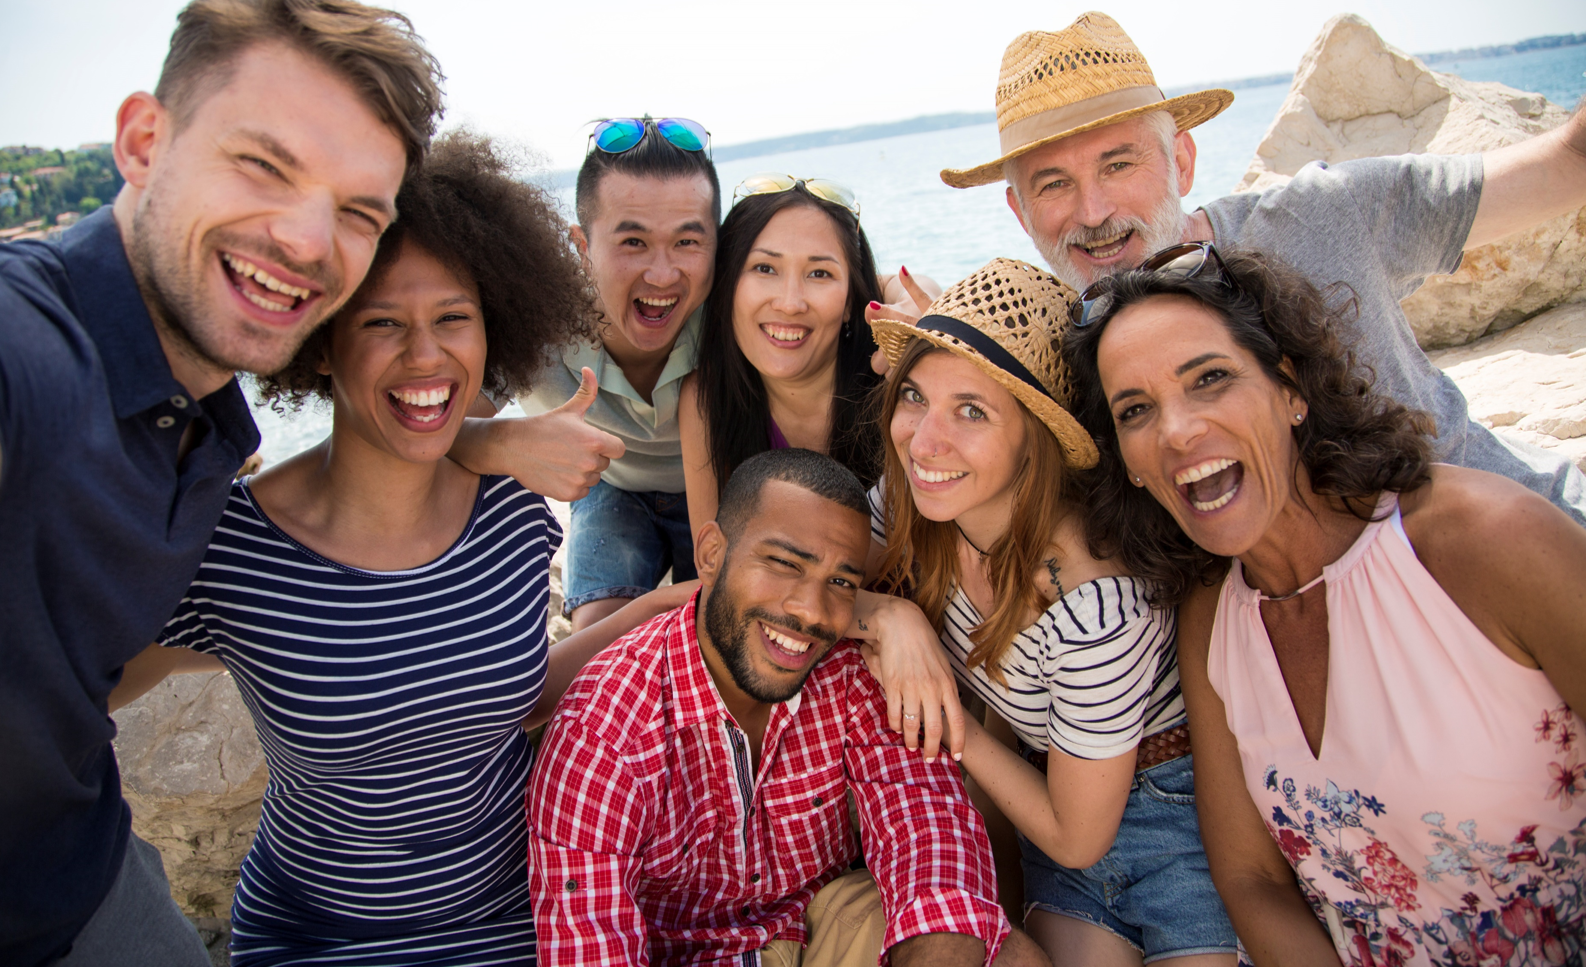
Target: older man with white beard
1097	160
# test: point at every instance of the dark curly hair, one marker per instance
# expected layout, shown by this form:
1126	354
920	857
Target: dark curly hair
1355	443
465	208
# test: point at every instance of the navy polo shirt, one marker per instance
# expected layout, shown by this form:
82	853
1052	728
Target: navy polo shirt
101	531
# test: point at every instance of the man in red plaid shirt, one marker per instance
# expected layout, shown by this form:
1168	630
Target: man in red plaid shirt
690	802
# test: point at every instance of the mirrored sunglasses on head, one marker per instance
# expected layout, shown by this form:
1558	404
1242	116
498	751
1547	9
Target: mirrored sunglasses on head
616	135
1186	260
769	183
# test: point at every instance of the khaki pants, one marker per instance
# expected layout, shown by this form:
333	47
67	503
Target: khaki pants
846	925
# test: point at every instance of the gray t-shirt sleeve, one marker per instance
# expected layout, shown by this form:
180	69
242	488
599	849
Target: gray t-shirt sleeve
1406	217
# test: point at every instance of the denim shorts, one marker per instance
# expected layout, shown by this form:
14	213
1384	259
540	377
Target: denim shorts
622	542
1152	888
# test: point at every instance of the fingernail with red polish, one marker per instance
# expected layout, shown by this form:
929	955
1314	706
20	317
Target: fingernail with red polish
904	269
876	306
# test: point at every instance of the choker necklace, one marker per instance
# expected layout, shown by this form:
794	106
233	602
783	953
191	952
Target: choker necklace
1275	597
968	541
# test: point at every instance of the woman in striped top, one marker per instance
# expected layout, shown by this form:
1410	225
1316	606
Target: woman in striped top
975	519
383	610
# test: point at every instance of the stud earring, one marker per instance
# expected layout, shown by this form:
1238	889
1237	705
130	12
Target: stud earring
1299	417
1138	482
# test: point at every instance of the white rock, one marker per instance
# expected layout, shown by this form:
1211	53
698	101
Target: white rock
1529	383
194	774
1355	96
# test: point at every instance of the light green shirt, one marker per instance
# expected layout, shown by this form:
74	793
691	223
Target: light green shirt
654	458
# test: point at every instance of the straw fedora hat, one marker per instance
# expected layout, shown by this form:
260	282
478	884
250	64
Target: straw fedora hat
1007	318
1056	85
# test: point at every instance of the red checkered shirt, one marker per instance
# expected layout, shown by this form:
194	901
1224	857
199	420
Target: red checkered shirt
639	848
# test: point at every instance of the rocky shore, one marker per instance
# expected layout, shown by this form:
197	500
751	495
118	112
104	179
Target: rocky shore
1509	327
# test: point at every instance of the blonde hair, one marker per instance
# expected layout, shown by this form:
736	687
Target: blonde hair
922	554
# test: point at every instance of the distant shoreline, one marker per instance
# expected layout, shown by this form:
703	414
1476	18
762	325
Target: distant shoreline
940	122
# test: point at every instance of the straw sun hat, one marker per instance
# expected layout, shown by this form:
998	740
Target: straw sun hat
1056	85
1007	318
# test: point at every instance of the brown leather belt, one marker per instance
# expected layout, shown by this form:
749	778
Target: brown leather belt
1164	746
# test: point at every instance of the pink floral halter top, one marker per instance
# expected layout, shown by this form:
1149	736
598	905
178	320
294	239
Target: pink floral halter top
1444	821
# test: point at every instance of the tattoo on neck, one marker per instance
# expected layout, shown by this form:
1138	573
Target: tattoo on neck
862	625
1051	571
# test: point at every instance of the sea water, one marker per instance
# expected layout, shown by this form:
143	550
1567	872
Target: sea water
913	219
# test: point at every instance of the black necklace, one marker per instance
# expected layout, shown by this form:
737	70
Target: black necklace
967	540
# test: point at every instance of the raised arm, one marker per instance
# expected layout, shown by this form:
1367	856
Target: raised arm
1528	183
1257	885
586	834
555	453
699	478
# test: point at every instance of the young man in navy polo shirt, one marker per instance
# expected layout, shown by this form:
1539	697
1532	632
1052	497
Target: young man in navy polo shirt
259	177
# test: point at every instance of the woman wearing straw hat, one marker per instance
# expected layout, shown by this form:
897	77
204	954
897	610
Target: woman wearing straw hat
984	528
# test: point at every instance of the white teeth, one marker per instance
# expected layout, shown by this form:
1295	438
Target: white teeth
1210	505
431	397
1203	471
266	304
938	476
658	302
1093	246
785	335
787	644
247	269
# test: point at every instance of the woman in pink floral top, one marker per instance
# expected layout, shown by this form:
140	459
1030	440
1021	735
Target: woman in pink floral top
1380	681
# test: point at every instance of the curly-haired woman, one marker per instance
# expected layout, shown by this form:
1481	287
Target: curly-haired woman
383	609
1379	655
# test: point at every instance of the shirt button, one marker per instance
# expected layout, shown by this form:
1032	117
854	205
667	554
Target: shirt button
572	885
745	910
179	401
819	801
754	878
165	422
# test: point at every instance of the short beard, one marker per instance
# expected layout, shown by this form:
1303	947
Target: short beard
1165	226
174	293
729	633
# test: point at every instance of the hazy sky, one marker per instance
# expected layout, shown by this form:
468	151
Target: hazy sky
538	72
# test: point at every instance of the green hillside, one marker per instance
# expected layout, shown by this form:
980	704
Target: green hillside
46	182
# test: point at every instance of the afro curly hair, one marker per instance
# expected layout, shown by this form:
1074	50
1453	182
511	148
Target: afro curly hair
465	208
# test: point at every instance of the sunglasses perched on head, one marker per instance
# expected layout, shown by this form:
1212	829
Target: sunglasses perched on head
1186	260
616	135
769	183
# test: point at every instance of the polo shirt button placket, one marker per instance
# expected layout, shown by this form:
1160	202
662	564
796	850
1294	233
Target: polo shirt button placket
165	422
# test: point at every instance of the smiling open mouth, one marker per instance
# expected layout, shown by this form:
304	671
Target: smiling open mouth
261	288
791	645
937	476
792	334
421	406
655	311
1211	485
1108	247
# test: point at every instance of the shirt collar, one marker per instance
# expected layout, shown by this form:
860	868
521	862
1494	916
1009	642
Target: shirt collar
694	691
111	310
679	362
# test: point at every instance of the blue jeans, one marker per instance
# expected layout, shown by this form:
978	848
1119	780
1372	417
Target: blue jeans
622	542
1152	888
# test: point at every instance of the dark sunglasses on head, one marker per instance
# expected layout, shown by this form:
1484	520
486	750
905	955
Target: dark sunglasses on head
769	183
1186	260
616	135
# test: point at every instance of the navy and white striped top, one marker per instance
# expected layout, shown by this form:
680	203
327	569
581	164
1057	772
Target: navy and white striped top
1096	673
389	705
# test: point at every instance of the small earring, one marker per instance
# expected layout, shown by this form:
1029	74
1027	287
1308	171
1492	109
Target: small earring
848	328
1299	417
1138	482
